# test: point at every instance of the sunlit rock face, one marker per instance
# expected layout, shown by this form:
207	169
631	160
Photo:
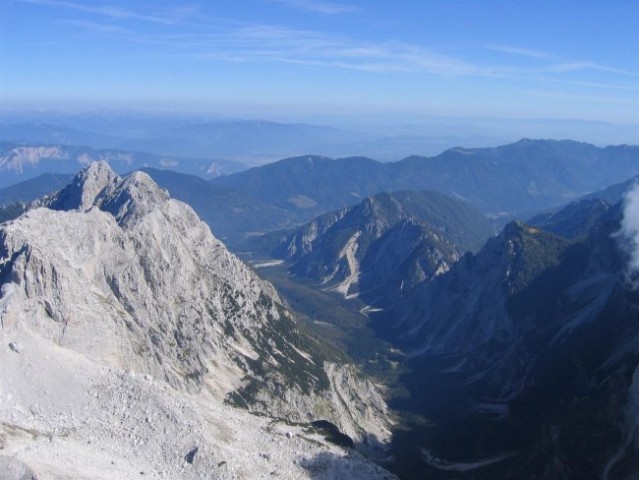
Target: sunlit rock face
113	271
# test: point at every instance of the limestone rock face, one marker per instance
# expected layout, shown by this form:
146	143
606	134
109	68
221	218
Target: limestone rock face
113	269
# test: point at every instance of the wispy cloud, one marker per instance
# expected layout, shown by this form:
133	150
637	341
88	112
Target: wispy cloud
327	8
523	52
580	66
311	48
630	87
172	16
190	31
304	47
558	65
98	27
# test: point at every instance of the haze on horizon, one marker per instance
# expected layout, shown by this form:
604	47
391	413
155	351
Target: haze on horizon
327	62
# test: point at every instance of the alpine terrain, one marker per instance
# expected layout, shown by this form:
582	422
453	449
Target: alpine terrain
525	356
379	249
130	335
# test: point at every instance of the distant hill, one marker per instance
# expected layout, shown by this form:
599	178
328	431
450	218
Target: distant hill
311	184
529	175
34	188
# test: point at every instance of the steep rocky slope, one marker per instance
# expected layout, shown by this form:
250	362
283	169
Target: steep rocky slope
384	246
116	275
534	346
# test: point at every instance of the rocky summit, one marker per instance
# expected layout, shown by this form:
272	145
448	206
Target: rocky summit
130	335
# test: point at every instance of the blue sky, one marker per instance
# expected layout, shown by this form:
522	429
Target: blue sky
502	59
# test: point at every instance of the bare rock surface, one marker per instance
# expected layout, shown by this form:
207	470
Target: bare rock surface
138	329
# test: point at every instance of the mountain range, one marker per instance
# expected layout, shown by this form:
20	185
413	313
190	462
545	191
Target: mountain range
529	351
110	279
512	181
504	356
510	356
255	142
379	249
506	181
23	162
222	141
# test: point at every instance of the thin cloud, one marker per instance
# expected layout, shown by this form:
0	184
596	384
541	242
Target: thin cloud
523	52
229	40
326	8
562	96
313	49
579	66
558	67
303	47
166	17
628	236
94	26
606	86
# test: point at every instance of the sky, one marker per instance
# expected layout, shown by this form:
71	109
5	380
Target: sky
483	58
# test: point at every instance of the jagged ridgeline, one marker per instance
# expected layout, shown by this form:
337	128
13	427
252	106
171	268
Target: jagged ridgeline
114	269
525	354
379	249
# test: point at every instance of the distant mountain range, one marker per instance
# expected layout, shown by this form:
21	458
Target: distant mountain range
250	141
23	162
256	142
504	182
507	181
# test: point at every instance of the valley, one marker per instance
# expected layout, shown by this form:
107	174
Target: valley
409	326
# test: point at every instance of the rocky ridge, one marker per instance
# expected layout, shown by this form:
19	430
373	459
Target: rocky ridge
534	343
381	248
114	273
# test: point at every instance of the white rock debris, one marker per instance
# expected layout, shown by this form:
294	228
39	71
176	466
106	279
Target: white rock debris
95	421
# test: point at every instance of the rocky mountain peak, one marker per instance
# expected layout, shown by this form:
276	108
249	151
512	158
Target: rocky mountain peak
126	198
82	192
132	197
120	274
